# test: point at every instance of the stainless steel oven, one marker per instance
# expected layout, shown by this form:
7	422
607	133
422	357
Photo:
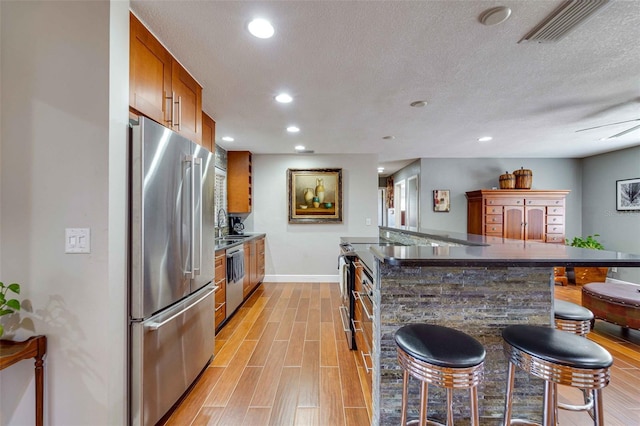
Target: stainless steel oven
346	264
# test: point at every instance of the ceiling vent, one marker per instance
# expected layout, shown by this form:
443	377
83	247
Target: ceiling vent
569	15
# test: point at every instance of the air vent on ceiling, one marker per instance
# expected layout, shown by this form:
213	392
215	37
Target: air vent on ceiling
569	15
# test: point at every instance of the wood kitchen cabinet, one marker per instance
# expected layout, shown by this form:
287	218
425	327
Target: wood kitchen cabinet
239	182
160	87
260	260
221	283
253	265
208	132
363	327
149	73
249	266
530	215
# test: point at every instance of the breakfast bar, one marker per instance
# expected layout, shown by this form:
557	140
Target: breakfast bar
473	284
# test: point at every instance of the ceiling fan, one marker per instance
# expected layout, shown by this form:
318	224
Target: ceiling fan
624	132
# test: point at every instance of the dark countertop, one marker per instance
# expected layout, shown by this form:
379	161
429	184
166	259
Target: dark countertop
231	241
491	251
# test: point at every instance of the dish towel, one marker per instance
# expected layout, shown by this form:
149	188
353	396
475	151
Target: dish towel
235	267
341	268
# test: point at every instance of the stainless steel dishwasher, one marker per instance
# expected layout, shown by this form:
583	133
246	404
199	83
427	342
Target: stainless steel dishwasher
235	278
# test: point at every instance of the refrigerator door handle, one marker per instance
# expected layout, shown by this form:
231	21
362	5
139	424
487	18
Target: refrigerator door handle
196	235
189	271
156	325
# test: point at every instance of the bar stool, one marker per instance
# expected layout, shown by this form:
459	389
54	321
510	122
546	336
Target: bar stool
557	357
572	318
443	357
578	320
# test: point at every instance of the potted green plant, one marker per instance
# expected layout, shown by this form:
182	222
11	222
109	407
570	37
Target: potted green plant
8	306
588	274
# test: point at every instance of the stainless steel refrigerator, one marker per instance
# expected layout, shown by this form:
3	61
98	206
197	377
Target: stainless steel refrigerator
171	290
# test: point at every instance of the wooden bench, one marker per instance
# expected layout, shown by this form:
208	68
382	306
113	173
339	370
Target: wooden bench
618	303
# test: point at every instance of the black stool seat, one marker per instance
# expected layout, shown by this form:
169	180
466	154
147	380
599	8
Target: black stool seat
441	346
558	347
571	312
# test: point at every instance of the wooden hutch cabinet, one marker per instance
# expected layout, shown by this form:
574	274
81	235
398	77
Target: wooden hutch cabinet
239	182
531	215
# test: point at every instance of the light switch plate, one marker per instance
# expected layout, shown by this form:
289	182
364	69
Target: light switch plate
367	221
77	240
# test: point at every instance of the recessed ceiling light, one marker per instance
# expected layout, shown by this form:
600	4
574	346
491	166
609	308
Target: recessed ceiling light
261	28
485	139
300	148
388	137
380	169
418	104
293	129
495	15
284	98
227	139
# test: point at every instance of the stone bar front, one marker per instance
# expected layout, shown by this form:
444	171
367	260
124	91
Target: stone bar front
480	301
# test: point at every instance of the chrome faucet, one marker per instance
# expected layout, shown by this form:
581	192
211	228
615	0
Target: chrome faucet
222	220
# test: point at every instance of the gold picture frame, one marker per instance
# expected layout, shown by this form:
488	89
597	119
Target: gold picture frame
315	195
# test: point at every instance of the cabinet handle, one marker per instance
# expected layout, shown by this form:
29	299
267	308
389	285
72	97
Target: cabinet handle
364	361
169	109
180	113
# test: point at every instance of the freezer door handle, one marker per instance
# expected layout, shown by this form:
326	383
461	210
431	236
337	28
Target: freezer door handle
156	325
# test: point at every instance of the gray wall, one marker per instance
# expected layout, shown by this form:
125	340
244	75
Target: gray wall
64	100
619	231
460	175
309	252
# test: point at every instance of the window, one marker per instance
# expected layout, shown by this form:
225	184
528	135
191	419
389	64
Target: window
220	194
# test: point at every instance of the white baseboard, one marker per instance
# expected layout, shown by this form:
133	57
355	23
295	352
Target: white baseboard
301	279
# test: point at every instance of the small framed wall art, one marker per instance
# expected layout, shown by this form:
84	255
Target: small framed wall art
315	195
441	201
628	195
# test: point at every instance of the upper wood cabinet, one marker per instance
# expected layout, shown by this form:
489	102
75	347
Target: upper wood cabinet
239	182
159	87
208	132
531	215
149	73
186	117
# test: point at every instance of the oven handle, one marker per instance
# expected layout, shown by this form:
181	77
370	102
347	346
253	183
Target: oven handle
343	318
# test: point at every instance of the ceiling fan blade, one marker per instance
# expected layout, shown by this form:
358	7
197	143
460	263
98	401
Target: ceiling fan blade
624	132
610	124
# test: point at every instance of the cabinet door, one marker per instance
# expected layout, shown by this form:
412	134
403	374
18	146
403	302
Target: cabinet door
254	264
208	132
246	284
513	222
187	103
239	181
149	73
535	223
260	255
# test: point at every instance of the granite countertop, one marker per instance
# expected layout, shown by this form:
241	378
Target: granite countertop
230	241
475	250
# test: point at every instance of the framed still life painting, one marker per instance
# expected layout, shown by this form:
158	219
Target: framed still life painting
315	195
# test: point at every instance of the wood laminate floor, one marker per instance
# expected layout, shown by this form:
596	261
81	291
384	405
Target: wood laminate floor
283	360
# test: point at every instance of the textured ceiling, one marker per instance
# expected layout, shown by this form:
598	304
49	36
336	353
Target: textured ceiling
354	67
